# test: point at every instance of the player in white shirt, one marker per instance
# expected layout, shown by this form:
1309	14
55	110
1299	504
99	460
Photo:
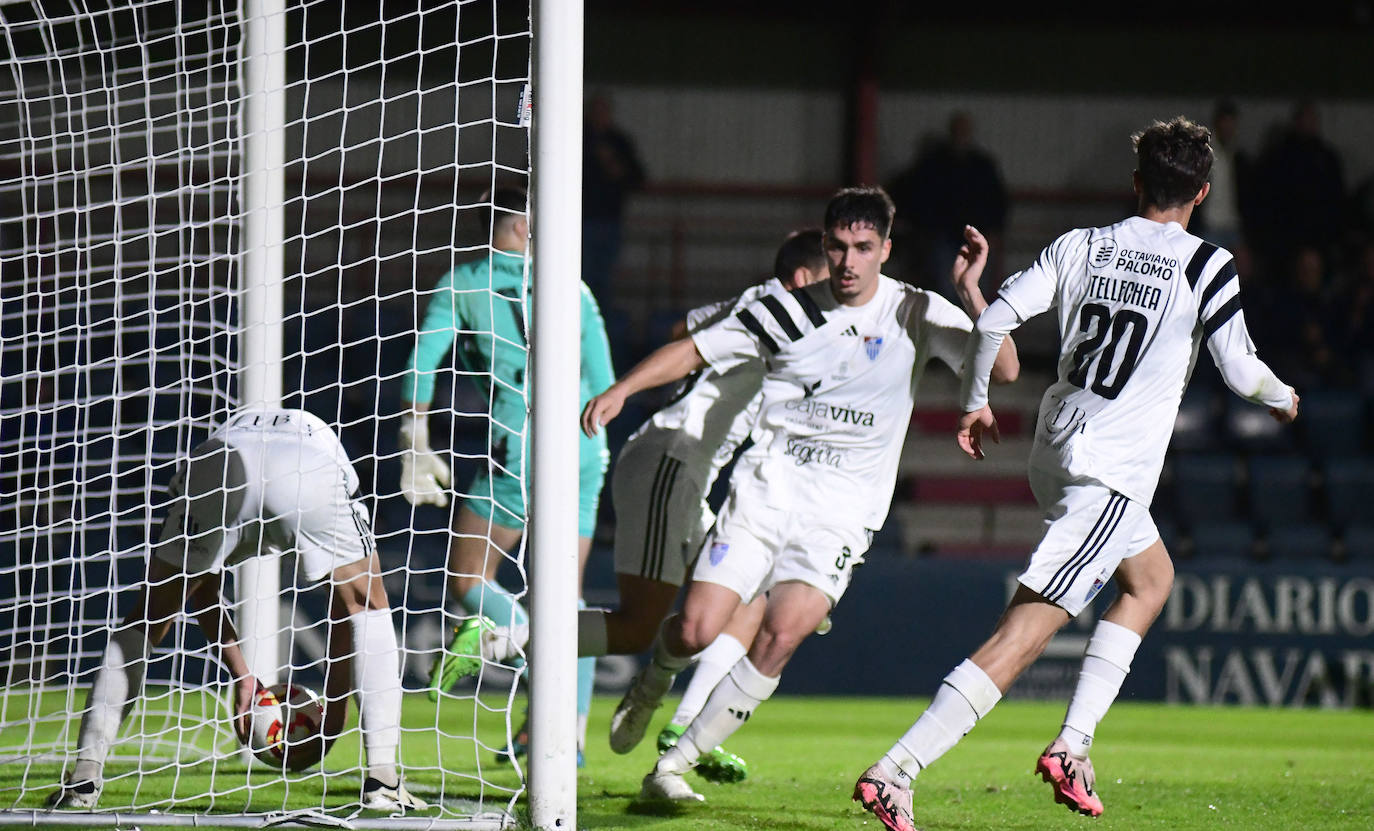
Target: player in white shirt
1135	301
659	485
267	480
842	361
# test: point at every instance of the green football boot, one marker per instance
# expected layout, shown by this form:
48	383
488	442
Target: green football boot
462	657
718	765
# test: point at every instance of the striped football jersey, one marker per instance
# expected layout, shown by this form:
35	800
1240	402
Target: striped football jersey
1135	301
837	394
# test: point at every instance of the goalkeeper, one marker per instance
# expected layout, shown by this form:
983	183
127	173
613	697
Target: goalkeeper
267	480
482	306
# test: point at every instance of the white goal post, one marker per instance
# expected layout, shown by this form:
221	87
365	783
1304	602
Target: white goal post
241	203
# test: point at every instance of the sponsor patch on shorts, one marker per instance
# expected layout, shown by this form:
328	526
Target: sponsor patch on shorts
718	552
1096	587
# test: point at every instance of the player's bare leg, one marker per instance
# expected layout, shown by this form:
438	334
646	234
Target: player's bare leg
717	764
1144	582
705	611
793	612
119	680
629	628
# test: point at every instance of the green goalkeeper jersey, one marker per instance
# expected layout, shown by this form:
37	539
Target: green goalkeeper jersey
482	306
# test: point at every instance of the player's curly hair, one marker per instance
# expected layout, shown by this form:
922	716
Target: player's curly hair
1174	159
864	205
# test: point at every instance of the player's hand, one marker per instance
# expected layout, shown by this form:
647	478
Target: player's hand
1286	416
600	410
424	476
972	257
246	689
972	426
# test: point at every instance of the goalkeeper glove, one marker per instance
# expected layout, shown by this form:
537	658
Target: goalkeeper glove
424	476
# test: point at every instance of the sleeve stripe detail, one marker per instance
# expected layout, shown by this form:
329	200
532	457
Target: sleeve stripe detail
813	312
1198	262
1218	320
774	307
1226	274
752	324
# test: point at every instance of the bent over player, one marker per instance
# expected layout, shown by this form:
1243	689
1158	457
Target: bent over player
1135	301
481	307
268	479
842	362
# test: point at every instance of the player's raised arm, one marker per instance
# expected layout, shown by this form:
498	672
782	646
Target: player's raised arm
670	362
966	272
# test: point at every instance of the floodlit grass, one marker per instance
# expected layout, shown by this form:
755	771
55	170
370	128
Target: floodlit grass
1158	767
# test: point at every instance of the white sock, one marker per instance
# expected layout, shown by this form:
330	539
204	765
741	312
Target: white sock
582	731
377	683
118	682
728	707
591	633
966	695
712	665
1106	662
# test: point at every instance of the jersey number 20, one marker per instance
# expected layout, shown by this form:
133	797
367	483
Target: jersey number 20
1126	325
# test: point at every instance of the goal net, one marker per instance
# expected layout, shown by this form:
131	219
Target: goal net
124	224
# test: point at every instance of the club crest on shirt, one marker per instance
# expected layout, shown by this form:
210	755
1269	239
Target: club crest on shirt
718	552
1100	252
873	344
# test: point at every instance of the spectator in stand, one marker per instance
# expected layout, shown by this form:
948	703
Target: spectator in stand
951	184
1303	189
1303	324
1357	307
611	170
1222	218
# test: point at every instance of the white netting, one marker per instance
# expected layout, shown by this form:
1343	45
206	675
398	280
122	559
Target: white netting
121	229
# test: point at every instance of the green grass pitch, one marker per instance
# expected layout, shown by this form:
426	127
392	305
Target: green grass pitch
1158	766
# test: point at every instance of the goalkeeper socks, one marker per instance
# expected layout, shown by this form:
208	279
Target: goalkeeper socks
586	676
377	683
712	665
488	598
966	695
118	681
591	632
1106	662
728	707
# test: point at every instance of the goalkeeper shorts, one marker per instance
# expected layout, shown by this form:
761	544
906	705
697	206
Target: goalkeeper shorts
231	502
497	495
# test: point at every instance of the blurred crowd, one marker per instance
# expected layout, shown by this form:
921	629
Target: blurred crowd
1303	237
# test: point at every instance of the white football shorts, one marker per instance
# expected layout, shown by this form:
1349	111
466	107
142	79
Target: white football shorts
661	514
754	547
1089	530
231	502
